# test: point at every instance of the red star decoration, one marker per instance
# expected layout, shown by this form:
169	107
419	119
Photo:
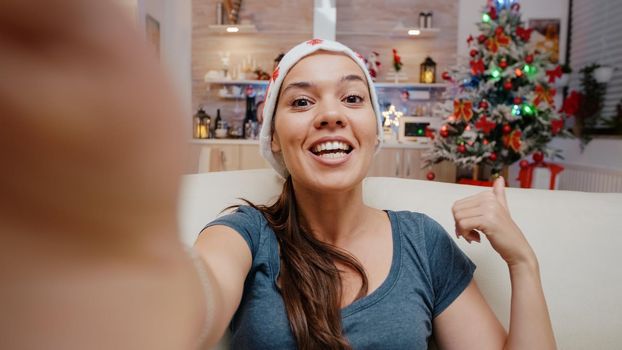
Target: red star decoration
524	34
554	74
315	41
477	67
485	125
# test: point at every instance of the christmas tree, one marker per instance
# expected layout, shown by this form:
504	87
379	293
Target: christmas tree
501	107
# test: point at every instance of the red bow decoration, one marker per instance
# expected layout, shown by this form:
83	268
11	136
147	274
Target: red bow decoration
492	44
477	67
485	125
463	110
524	34
571	103
525	176
556	125
513	140
554	74
315	41
544	95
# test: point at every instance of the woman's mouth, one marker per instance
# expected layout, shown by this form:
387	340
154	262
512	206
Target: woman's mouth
331	149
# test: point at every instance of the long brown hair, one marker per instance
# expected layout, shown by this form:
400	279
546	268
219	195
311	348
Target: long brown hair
309	281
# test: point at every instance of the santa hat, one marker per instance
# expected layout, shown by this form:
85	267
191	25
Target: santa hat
289	60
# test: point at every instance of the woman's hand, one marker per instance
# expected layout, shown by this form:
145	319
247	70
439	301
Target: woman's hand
487	212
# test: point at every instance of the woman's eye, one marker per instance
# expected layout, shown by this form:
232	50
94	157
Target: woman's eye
354	99
301	102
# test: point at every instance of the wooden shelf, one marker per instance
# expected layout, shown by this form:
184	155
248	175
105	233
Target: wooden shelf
399	32
226	28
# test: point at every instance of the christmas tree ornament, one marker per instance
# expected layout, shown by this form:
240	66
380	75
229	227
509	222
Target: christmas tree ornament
430	175
513	140
498	30
484	125
544	95
518	100
461	148
469	39
528	110
463	110
516	110
538	157
478	67
446	76
503	63
483	104
473	53
523	34
529	59
444	133
554	74
481	38
495	73
507	85
493	156
507	128
518	72
486	18
492	13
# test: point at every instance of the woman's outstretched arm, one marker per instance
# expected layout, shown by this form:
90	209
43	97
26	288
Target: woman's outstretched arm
468	323
90	145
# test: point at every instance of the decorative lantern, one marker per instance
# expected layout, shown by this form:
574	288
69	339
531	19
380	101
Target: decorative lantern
428	71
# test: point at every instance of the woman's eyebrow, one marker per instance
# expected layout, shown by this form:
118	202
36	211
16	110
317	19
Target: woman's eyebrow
299	85
352	77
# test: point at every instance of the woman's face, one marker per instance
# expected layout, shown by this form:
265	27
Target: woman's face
325	125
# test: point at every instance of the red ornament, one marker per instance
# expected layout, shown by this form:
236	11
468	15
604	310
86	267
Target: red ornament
486	142
523	33
507	85
483	104
554	74
499	30
477	67
481	38
444	133
473	53
470	39
446	76
507	129
430	175
518	100
524	163
492	13
484	124
529	59
492	156
461	148
538	157
503	64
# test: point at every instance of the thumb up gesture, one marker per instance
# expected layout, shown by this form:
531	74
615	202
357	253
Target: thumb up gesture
488	213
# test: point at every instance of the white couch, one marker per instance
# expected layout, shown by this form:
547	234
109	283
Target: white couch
576	235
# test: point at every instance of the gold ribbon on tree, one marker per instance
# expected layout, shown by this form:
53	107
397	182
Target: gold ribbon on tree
544	95
463	109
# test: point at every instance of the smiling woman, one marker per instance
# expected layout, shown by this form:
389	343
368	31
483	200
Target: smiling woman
330	272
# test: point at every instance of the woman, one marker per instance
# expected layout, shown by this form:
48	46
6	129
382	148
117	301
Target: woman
319	269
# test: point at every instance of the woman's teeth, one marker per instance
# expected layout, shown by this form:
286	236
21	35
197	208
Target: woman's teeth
331	147
333	155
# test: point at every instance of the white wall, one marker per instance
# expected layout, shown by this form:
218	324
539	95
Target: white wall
175	17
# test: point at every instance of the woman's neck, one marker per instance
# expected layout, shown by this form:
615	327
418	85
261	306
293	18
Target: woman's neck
334	218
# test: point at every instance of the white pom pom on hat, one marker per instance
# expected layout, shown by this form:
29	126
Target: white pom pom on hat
287	62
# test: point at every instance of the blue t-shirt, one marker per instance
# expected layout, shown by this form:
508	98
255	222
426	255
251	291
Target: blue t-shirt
428	272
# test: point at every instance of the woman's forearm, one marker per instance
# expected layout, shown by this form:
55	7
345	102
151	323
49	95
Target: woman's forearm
530	324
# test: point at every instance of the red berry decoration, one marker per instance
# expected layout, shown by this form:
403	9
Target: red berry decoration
507	129
492	156
430	175
529	59
483	104
473	53
503	64
507	85
518	100
444	133
461	148
481	38
446	76
538	157
499	30
523	163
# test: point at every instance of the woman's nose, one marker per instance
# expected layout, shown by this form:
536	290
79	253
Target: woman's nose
330	118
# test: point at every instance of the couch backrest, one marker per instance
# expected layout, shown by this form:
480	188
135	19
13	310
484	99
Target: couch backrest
576	235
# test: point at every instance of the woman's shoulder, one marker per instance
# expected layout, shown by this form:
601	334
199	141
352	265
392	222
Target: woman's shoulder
420	229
